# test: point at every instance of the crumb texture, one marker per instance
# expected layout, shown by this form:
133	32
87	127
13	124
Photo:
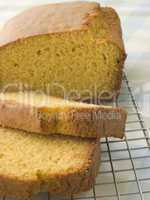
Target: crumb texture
33	163
74	51
32	153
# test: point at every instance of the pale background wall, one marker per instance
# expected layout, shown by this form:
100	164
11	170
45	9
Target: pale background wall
135	17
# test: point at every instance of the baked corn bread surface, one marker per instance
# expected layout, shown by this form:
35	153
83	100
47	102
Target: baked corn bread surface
40	113
33	163
64	48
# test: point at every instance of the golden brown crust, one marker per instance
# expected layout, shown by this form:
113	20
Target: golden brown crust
114	33
15	115
53	18
84	121
81	179
93	122
50	18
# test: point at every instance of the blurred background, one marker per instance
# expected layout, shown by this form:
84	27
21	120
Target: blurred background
135	18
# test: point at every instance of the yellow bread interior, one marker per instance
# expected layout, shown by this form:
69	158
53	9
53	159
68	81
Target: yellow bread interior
31	163
75	63
25	156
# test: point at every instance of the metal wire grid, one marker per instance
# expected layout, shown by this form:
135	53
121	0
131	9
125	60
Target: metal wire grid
125	165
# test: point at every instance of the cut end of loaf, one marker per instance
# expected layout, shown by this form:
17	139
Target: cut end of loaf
32	163
82	63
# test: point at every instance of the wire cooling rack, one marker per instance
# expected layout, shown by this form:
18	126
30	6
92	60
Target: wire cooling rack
125	167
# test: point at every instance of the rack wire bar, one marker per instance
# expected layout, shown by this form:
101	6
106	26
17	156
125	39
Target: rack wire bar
113	171
120	159
135	173
125	166
118	150
127	181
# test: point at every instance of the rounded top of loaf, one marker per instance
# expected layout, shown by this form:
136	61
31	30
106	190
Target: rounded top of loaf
61	18
49	18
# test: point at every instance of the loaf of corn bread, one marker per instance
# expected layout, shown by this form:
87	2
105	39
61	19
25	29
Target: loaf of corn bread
61	165
72	49
40	113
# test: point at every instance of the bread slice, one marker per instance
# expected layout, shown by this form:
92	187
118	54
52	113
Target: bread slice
71	50
40	113
32	163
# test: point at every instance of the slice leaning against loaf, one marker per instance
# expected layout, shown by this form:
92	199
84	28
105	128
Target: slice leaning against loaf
32	163
40	113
